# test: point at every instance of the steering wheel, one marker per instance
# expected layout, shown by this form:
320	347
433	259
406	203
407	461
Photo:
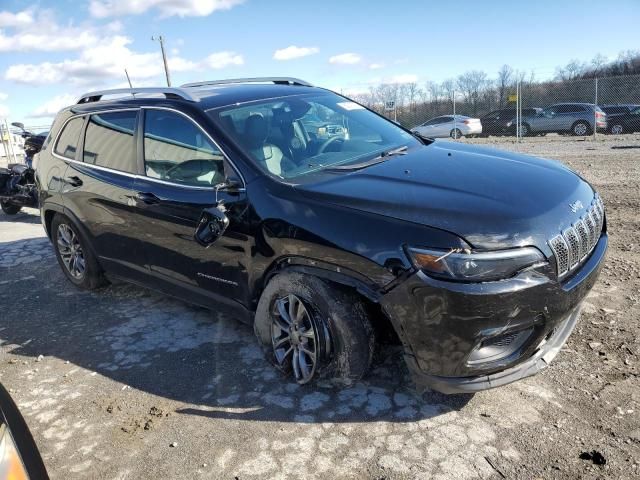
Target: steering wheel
178	171
328	142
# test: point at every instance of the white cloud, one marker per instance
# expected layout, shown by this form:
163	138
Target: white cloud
20	19
95	64
167	8
53	106
376	66
346	59
293	51
4	111
47	41
219	60
3	96
43	33
102	63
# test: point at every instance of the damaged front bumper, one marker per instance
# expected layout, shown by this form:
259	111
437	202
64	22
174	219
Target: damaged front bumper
472	337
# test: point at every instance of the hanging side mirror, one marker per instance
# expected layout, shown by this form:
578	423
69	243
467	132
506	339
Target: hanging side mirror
211	226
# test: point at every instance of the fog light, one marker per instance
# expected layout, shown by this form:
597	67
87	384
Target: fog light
498	348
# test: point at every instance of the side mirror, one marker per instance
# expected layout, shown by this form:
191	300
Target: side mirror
20	125
211	226
19	455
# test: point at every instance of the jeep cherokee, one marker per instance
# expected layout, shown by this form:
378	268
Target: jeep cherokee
227	194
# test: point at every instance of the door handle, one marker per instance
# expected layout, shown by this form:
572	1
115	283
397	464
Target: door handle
74	181
148	198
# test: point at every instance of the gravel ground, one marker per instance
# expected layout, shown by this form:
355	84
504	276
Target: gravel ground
124	383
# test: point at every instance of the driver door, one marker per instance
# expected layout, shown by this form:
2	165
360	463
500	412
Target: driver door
183	168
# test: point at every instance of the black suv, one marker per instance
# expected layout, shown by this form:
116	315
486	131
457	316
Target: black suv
502	122
476	260
623	119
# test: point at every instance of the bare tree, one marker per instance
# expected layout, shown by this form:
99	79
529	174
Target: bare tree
471	84
505	81
412	94
448	89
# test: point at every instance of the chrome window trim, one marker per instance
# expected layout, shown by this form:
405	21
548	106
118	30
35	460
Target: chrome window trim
138	176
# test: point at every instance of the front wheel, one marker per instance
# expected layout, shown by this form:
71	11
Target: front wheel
455	133
9	208
313	329
77	261
525	130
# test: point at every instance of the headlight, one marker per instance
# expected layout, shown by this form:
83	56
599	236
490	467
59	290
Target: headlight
467	266
509	123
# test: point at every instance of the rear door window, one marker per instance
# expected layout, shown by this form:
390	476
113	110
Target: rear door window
68	140
110	141
570	108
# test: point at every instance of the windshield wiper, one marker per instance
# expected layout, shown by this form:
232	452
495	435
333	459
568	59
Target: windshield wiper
423	139
378	159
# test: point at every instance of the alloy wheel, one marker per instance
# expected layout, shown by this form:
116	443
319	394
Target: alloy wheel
71	251
294	338
524	130
580	129
617	129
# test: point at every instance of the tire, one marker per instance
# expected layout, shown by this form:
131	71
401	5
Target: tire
341	338
9	208
455	133
76	259
525	130
616	129
581	128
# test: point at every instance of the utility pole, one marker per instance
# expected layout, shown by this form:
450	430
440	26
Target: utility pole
164	58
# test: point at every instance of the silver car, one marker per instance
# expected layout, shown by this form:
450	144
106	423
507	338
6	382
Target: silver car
575	118
454	126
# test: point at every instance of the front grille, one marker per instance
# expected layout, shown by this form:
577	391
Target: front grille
575	243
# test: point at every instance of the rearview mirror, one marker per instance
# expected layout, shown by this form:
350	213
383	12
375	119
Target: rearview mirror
212	224
19	455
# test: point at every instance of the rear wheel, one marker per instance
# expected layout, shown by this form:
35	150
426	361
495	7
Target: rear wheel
9	208
617	129
455	133
312	329
74	256
580	129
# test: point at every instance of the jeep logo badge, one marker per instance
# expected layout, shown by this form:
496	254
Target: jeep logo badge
575	206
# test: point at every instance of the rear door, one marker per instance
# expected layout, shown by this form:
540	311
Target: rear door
633	120
182	169
568	114
443	127
98	188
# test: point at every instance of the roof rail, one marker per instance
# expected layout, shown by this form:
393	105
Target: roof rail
276	80
168	92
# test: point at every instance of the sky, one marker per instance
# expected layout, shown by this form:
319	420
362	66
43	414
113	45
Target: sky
53	51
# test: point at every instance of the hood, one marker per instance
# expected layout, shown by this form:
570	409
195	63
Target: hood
491	198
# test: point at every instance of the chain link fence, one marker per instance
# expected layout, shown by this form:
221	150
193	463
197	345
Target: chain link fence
582	107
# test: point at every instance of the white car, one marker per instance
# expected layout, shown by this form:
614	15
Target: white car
454	126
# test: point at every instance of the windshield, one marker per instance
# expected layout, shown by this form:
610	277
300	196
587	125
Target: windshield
293	136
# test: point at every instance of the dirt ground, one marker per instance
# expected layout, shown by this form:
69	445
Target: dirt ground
124	383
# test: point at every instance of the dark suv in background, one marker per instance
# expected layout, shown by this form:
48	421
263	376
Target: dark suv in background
476	260
502	122
622	118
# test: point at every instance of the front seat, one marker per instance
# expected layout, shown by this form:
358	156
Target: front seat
270	156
